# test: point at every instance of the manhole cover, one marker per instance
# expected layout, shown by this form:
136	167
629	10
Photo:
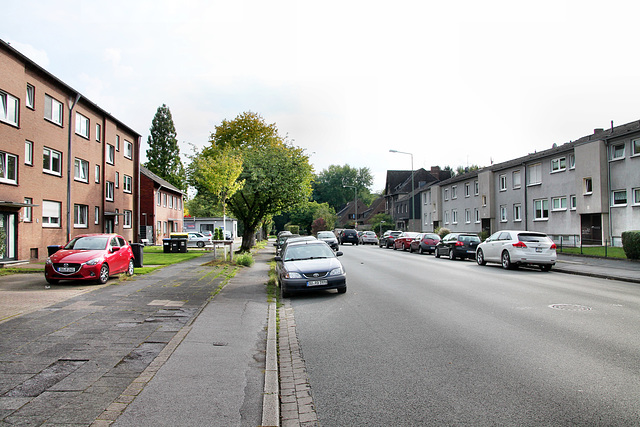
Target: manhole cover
570	307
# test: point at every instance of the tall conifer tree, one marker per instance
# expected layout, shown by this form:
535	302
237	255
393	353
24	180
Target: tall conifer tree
163	154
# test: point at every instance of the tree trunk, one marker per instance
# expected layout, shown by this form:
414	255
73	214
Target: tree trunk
248	240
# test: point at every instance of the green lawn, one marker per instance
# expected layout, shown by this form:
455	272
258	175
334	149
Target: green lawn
599	251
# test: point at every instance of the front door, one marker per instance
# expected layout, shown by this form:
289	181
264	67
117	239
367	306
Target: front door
591	229
8	241
109	225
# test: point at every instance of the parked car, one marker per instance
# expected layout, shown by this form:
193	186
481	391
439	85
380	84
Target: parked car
198	239
368	237
329	238
388	237
349	236
294	238
513	248
403	241
458	245
282	240
308	266
90	257
424	242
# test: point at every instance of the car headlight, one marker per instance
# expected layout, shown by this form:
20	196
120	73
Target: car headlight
93	261
336	272
293	275
49	262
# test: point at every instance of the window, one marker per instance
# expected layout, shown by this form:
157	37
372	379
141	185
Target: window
126	183
164	200
559	203
635	147
128	149
573	202
159	198
572	161
80	216
446	217
476	188
158	227
454	192
116	216
30	100
126	223
503	213
588	186
109	191
636	196
8	168
517	179
51	161
82	125
27	217
97	173
616	152
81	170
8	109
117	180
52	110
517	212
541	209
96	215
619	198
98	132
503	182
28	153
51	213
467	216
454	216
111	154
484	201
476	215
467	190
446	194
559	164
171	203
117	142
535	174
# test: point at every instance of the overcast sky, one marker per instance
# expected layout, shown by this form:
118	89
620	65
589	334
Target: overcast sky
453	83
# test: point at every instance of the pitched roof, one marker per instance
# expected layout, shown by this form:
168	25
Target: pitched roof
155	178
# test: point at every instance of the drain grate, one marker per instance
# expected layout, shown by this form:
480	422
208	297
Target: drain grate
570	307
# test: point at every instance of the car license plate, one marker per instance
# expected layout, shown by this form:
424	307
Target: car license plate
538	249
66	269
317	282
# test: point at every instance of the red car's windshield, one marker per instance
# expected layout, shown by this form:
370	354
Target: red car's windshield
88	243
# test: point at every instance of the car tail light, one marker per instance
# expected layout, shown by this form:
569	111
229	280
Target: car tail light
459	243
519	245
553	246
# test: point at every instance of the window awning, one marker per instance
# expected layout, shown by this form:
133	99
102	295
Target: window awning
15	205
113	213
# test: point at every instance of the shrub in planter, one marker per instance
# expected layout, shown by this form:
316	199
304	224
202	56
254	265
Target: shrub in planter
631	244
217	234
442	231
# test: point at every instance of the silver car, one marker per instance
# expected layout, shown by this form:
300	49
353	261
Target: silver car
513	248
199	240
368	237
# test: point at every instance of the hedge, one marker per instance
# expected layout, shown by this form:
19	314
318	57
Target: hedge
631	244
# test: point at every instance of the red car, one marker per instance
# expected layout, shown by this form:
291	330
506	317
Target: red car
425	242
403	241
90	257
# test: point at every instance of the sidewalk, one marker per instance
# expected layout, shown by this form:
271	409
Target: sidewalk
604	268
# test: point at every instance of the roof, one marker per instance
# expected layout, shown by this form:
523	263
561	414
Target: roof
155	178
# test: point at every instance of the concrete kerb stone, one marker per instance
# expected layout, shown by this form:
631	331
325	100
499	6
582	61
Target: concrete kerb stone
271	396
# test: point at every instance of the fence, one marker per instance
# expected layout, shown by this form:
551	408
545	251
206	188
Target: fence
575	241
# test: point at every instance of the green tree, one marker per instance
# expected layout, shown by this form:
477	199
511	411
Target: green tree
382	222
276	175
163	154
305	214
328	185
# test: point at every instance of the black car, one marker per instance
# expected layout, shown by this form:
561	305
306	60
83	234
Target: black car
388	238
309	265
458	245
349	236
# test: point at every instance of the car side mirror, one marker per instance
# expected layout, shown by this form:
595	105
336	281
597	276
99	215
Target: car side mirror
278	259
115	249
339	253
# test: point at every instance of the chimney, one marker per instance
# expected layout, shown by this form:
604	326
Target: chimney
597	131
435	170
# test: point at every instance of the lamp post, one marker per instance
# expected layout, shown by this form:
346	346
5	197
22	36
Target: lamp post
412	186
355	201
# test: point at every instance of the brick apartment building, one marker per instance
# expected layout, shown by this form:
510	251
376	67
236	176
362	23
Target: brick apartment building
161	207
67	167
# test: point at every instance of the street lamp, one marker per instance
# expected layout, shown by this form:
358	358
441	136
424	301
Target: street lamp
355	201
412	186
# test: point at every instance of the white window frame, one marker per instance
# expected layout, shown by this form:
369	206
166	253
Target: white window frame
80	216
635	194
159	202
128	149
28	152
534	177
476	214
117	142
9	108
558	164
516	177
467	189
446	194
98	132
171	203
116	217
97	174
587	186
117	179
111	154
51	214
614	203
476	188
7	159
51	154
503	182
53	110
446	217
517	212
635	147
126	221
82	125
96	215
467	216
541	210
614	154
573	202
126	183
559	203
164	200
80	170
109	191
572	161
28	210
454	192
454	216
30	98
503	213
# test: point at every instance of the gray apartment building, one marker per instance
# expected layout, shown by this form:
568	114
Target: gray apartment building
587	190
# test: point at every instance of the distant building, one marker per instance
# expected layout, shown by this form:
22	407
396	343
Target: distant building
161	207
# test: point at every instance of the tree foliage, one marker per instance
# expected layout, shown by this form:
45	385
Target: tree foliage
163	154
328	186
305	214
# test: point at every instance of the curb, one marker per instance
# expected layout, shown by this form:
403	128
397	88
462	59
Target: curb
271	396
596	275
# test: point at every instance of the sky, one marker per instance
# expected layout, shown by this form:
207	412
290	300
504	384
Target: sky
453	83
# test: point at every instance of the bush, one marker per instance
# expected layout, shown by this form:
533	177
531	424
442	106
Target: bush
484	235
631	244
442	231
245	259
217	234
294	229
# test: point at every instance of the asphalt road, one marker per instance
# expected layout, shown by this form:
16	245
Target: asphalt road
423	341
